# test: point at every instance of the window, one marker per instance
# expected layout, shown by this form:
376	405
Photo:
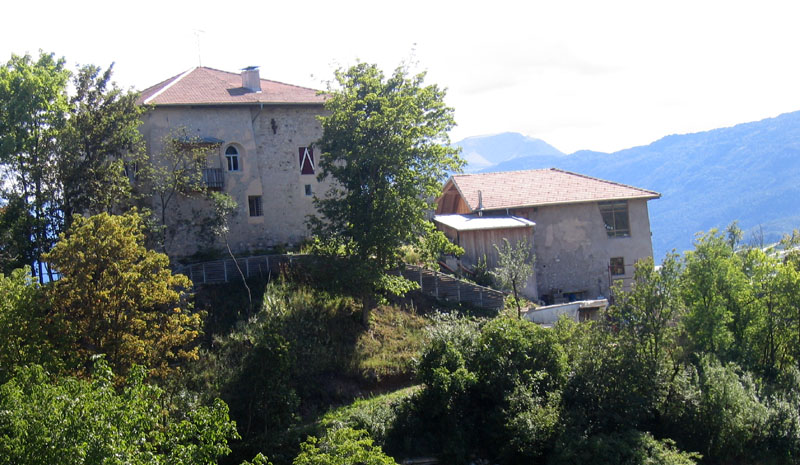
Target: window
306	160
254	202
617	266
308	189
615	217
232	156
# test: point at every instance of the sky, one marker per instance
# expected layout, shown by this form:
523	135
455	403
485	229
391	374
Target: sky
579	74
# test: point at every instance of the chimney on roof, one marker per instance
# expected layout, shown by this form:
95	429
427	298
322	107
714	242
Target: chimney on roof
251	79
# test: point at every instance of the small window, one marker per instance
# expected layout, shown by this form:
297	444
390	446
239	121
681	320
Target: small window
308	189
617	266
254	202
615	218
232	156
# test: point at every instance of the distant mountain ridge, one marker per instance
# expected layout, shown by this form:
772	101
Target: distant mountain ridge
749	172
485	152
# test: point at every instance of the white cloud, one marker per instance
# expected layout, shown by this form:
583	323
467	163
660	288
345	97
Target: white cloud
578	74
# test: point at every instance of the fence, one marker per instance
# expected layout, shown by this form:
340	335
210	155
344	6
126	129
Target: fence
223	271
439	285
447	287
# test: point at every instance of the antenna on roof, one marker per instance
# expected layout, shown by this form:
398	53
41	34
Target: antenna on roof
197	33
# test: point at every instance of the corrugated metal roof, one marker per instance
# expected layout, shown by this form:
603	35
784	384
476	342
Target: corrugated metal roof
476	223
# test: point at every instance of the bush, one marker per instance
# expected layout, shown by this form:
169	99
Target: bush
627	448
343	446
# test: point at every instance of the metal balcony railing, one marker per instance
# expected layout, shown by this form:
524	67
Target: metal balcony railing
213	178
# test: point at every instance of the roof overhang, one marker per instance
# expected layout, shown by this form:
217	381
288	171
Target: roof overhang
482	223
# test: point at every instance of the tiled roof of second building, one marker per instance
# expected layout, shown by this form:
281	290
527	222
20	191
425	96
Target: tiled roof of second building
513	189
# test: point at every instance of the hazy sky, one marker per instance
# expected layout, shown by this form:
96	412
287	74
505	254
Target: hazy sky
600	75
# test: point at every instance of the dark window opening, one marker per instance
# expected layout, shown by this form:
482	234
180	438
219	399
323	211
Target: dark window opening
617	266
308	189
232	156
254	203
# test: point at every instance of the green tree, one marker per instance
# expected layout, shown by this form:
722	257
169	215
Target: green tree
16	229
76	421
647	315
714	286
63	155
33	109
100	139
514	267
343	446
385	146
117	298
23	323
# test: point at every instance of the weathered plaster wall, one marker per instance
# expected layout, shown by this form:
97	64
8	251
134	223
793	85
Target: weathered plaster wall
573	250
268	160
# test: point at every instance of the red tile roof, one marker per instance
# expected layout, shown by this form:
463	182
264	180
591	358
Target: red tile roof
207	86
513	189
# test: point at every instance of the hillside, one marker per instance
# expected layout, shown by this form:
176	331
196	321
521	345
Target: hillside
748	172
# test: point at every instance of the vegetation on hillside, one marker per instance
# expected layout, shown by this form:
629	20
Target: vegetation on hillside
698	363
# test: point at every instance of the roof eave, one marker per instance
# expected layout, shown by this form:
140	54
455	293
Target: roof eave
234	104
547	204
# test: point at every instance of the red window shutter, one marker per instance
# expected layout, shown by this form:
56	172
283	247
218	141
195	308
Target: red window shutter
306	160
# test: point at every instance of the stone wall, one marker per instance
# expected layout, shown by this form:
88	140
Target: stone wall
267	138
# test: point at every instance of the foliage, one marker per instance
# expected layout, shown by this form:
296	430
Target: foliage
23	322
647	316
390	346
343	446
493	393
481	273
714	285
514	267
175	173
117	298
73	421
100	147
62	155
16	229
302	352
628	448
385	146
376	415
33	109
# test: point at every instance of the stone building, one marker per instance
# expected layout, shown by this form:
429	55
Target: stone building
586	232
259	135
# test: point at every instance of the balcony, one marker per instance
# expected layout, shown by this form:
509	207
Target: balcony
213	179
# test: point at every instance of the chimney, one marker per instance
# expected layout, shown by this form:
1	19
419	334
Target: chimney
480	203
250	79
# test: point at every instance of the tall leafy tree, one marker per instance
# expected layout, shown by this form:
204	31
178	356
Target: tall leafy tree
61	155
33	109
385	146
117	298
100	140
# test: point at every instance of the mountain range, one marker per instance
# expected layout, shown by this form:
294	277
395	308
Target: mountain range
748	173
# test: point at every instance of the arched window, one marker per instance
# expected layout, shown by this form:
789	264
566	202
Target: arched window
232	156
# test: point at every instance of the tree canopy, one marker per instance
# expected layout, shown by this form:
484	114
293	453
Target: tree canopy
385	146
117	298
59	155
